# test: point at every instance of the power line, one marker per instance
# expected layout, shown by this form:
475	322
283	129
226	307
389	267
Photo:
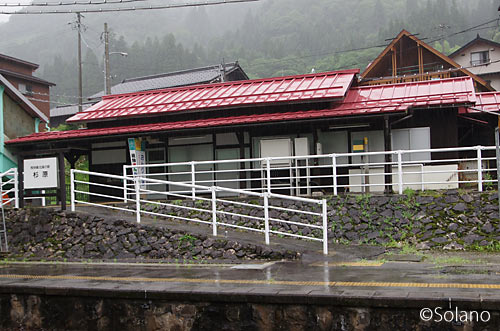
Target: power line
473	28
124	9
52	94
49	101
465	30
73	3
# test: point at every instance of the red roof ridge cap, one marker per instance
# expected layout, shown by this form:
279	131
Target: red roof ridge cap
237	82
487	93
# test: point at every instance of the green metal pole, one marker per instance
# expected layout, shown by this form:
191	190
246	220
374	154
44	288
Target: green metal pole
37	125
2	136
497	149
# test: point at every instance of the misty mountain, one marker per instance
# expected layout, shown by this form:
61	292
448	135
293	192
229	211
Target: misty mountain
269	37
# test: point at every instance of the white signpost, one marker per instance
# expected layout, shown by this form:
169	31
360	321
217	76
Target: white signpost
41	173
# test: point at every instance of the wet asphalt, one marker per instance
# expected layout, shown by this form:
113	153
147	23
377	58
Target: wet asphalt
348	275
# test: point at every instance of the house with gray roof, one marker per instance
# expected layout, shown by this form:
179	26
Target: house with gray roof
204	75
482	57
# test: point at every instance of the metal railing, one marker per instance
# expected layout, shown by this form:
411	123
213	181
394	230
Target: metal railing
9	189
425	169
211	210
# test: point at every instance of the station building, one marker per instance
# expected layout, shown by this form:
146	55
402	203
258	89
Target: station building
311	114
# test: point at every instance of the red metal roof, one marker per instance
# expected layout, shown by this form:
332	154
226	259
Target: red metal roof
359	101
320	86
488	101
400	97
204	123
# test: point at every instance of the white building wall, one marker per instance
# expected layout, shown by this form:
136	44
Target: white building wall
464	59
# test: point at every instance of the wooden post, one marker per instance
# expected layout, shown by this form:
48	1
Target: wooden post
394	65
20	178
62	180
388	157
420	62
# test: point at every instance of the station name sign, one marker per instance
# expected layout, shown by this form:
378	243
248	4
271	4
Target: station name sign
41	173
137	148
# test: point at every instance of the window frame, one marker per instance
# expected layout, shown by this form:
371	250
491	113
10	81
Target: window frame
482	58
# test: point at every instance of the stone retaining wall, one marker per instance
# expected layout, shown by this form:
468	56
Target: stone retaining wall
52	312
451	219
446	220
45	233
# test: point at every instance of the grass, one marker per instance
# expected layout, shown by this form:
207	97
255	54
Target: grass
493	247
452	260
410	193
187	238
404	248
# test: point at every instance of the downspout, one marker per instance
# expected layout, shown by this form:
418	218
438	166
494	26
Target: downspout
2	133
37	124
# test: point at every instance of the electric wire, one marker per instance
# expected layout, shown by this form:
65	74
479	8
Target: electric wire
66	3
124	9
470	29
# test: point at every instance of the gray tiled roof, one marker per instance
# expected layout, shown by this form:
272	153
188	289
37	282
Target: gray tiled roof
155	82
172	79
67	110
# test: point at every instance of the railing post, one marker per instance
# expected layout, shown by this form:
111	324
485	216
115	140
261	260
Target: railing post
400	172
479	170
325	227
72	188
422	185
266	217
334	174
125	183
193	181
16	188
214	211
137	199
268	174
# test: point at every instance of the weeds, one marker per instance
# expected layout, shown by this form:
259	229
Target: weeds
493	247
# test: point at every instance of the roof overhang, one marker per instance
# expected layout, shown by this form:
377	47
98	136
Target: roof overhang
478	39
23	101
32	79
309	88
359	102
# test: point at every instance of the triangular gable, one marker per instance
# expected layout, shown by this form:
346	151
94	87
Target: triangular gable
22	100
473	42
377	69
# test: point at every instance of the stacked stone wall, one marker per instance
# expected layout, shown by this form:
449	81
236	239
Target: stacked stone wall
46	233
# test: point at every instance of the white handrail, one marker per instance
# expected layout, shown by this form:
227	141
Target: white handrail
141	197
318	170
14	181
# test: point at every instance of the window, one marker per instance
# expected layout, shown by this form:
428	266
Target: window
478	58
25	89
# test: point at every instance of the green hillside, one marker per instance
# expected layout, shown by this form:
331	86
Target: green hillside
269	38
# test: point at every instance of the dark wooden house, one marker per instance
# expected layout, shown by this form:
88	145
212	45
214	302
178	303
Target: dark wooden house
409	59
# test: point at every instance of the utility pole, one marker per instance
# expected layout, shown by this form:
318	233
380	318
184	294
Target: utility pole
222	71
107	85
80	87
107	53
